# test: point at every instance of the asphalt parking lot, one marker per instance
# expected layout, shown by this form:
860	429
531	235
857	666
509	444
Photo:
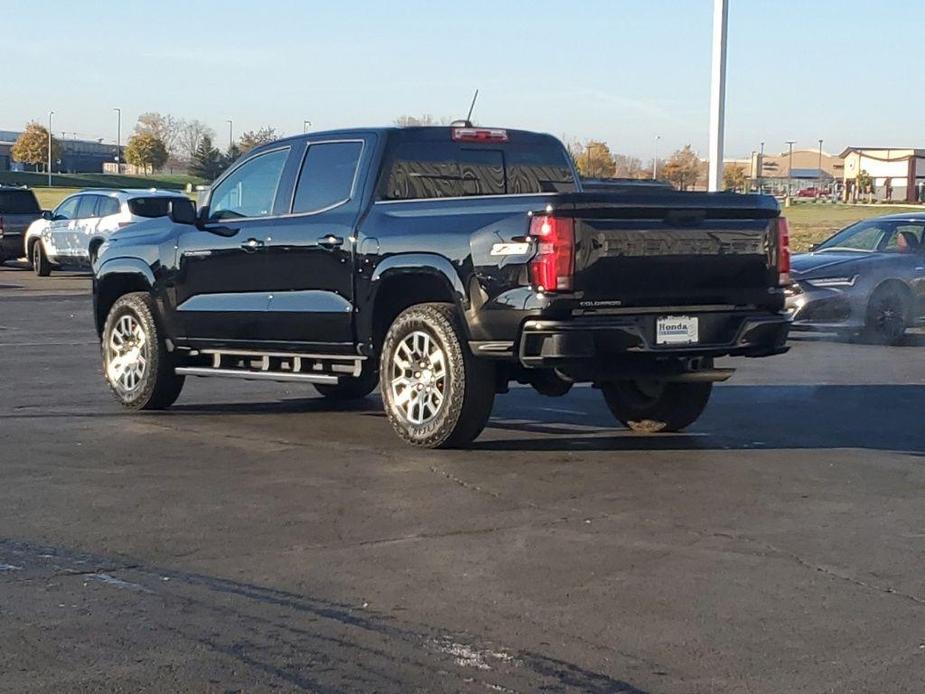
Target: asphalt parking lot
255	538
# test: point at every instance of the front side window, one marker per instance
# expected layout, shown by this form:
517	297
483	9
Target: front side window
906	238
67	209
327	176
865	237
249	190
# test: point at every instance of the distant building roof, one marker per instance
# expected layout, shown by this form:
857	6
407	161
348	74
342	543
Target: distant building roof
810	173
901	152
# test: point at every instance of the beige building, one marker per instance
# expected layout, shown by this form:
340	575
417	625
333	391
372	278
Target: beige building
896	173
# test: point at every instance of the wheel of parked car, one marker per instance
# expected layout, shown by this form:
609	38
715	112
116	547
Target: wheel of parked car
136	363
887	315
351	388
435	393
40	263
650	406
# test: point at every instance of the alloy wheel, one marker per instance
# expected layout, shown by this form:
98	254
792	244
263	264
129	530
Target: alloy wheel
418	378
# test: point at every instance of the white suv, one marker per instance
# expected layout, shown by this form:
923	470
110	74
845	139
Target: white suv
70	236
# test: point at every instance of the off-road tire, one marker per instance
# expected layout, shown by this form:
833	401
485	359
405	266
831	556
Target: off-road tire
656	407
351	388
40	263
469	390
159	386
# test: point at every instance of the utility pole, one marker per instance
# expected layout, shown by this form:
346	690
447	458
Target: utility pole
655	160
306	124
718	94
230	134
118	139
790	144
50	114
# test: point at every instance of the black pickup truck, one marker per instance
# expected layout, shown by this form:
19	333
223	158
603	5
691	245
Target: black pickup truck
442	263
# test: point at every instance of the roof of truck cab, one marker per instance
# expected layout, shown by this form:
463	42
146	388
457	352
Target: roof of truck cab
418	132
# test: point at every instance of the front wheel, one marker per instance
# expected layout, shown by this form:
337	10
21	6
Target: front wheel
887	314
436	394
656	406
136	363
40	263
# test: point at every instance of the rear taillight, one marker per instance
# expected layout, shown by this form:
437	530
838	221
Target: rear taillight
783	251
479	135
553	266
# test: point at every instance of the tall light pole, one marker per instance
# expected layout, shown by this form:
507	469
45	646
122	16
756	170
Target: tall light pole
761	170
790	144
50	114
819	183
655	160
718	94
118	139
230	134
306	124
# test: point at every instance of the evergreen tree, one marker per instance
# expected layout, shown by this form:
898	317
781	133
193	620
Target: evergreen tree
207	161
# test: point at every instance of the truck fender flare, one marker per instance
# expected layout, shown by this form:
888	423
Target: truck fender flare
420	263
124	266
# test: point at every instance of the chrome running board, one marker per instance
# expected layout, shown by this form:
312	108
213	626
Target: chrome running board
253	375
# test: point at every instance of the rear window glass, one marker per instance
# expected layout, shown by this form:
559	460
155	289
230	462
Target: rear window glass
442	170
18	202
150	207
327	175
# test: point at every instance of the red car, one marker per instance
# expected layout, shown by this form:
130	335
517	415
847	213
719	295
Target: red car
811	192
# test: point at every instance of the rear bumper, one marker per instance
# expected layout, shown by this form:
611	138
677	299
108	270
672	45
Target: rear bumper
546	343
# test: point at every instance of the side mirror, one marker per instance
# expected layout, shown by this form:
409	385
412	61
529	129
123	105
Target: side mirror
47	215
182	211
202	214
813	247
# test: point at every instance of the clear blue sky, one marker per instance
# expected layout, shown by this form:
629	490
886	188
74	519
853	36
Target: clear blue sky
848	71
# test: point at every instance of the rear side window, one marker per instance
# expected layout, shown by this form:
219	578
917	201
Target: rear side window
442	170
107	206
18	202
327	176
150	207
86	208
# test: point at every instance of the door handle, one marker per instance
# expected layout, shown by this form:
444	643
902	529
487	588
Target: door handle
252	245
330	241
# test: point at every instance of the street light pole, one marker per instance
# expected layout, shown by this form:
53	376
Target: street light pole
230	134
718	94
819	184
761	170
118	139
306	124
655	160
790	144
50	114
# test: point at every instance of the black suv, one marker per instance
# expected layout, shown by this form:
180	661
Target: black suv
18	209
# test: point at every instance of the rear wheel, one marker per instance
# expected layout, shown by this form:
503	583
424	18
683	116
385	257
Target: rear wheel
351	388
887	315
650	406
136	363
435	392
40	263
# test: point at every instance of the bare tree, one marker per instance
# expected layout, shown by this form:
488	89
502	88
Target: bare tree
626	166
190	136
424	119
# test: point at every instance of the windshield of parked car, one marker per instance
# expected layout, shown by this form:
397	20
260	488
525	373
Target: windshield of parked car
18	202
877	235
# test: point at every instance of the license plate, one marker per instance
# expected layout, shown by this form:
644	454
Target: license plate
676	330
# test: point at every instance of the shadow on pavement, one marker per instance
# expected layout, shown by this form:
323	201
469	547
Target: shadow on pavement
879	417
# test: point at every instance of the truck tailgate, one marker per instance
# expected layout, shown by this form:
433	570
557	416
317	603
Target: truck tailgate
674	249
